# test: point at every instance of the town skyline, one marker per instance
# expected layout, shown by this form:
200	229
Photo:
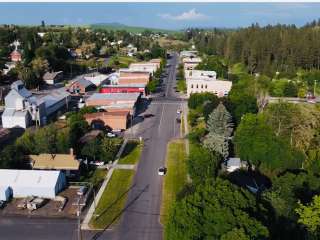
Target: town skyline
171	16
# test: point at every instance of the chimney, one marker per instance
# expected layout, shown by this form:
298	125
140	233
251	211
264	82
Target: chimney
71	151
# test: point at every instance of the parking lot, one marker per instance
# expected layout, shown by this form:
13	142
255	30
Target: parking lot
49	209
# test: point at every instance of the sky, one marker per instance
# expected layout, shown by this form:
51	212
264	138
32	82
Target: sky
160	15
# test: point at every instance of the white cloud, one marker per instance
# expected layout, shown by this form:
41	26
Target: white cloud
185	16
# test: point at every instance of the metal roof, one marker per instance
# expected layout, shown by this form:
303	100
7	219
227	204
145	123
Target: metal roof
28	178
114	96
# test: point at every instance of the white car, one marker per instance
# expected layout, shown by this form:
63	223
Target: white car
162	171
111	135
179	111
97	163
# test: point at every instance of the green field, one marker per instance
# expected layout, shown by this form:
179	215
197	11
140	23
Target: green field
113	200
131	153
176	176
121	61
122	27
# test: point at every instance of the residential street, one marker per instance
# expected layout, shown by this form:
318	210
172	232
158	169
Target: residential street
140	220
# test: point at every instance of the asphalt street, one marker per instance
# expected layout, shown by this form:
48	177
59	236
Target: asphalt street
140	218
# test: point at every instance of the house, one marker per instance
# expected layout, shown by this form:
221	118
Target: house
80	86
53	77
124	88
15	56
67	163
233	164
114	102
27	183
22	107
128	76
205	81
131	50
114	120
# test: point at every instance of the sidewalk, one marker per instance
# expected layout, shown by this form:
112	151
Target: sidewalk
85	223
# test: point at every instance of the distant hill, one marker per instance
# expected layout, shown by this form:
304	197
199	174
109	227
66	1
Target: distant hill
118	26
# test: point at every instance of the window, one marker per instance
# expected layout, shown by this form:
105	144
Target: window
197	86
191	85
206	86
201	85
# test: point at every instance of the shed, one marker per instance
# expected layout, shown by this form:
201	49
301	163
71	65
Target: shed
39	183
5	193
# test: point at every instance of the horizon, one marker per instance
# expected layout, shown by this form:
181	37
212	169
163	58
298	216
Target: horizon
165	16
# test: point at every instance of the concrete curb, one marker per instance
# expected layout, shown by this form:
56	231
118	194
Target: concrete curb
85	223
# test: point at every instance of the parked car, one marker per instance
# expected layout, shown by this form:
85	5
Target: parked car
179	111
97	163
82	190
111	135
178	120
2	204
162	171
36	203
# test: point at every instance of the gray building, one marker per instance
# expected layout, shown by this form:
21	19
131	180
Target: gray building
22	108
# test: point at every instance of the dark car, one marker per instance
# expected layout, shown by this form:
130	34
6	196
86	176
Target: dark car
2	204
178	120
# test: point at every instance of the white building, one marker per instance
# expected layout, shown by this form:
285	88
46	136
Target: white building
26	183
22	107
191	63
97	79
144	67
206	81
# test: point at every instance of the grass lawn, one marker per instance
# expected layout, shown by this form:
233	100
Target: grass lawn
113	199
95	176
131	153
182	86
176	176
121	61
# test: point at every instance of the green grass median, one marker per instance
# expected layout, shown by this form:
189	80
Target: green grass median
131	153
176	176
113	200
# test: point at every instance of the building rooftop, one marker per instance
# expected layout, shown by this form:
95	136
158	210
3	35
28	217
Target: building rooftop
114	96
82	81
128	85
199	74
27	178
51	75
54	161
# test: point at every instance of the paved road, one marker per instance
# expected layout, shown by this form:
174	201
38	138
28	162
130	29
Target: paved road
140	220
17	228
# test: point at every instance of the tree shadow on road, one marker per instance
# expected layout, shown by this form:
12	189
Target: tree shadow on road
100	233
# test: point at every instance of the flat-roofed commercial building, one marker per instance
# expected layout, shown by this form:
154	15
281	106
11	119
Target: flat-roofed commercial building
205	81
115	120
115	101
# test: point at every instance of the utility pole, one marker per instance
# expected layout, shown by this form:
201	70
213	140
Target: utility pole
79	219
